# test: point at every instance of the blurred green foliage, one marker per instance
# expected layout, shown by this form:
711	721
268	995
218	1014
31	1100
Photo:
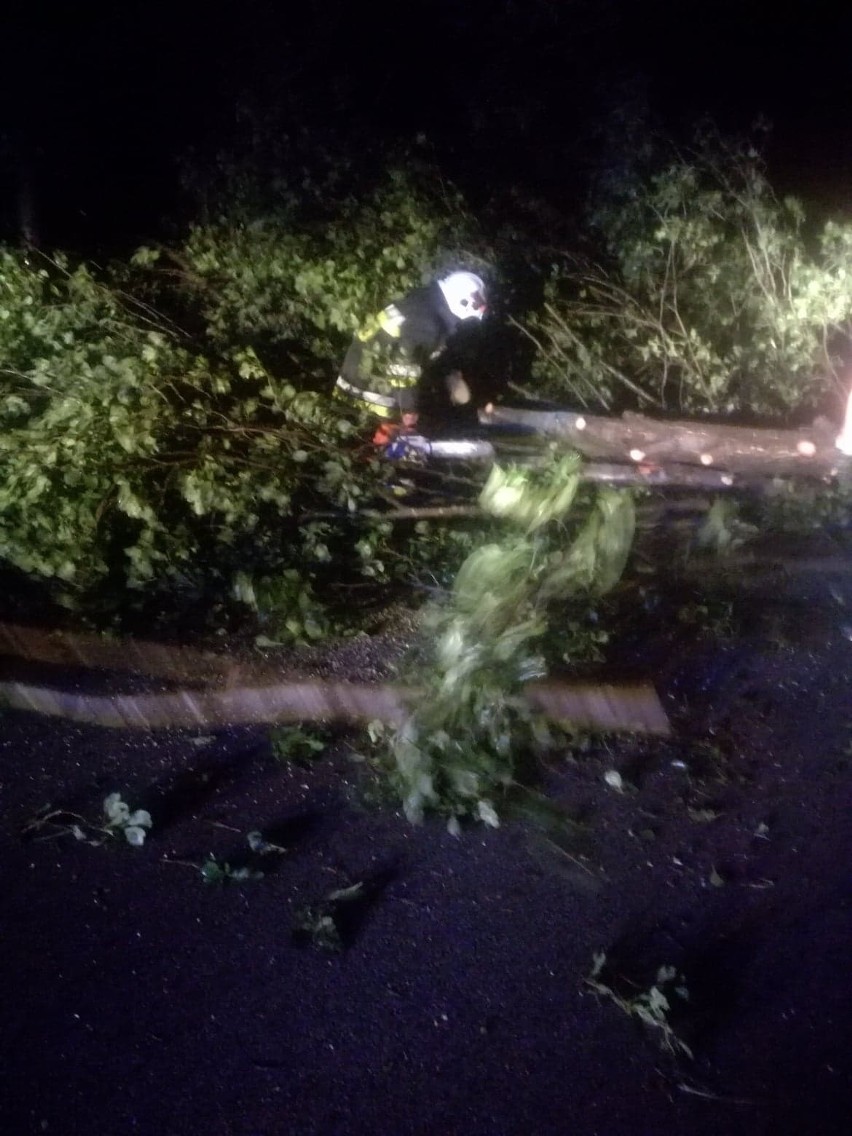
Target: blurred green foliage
499	629
139	454
702	292
167	427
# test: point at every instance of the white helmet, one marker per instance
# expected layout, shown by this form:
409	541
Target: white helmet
465	295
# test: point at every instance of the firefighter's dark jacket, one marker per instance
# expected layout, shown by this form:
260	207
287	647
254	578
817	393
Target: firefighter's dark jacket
390	352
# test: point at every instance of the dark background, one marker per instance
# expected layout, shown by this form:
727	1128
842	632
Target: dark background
98	105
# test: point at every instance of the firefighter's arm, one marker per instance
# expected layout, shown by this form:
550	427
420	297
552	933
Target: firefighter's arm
373	344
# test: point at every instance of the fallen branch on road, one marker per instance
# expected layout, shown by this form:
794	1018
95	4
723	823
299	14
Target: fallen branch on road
658	443
594	706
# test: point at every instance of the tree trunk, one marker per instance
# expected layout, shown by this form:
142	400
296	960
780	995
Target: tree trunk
237	691
650	445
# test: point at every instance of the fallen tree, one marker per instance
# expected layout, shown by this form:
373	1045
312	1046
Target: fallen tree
605	707
650	446
254	691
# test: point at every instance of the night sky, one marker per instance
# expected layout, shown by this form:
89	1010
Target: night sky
99	104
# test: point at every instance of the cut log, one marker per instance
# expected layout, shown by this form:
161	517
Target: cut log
269	699
602	707
652	443
86	649
671	476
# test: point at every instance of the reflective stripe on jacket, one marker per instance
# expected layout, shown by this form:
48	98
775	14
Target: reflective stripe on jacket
385	360
385	406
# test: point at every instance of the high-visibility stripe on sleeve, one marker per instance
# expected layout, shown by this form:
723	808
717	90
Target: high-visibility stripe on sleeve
384	405
402	374
390	321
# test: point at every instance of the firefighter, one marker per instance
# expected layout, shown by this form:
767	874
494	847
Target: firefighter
385	364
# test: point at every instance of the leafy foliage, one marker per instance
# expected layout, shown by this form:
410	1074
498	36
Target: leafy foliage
136	455
134	824
115	431
295	744
50	823
322	924
215	871
305	273
708	296
466	738
652	1006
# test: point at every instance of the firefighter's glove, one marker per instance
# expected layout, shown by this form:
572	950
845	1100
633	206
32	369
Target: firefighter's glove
457	388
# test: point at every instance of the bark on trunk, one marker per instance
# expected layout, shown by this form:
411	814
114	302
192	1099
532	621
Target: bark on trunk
257	692
604	707
649	445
